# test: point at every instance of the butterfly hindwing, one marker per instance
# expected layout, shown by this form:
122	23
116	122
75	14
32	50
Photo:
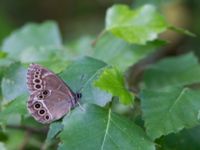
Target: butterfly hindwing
50	97
50	106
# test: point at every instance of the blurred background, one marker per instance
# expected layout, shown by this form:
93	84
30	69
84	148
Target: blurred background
78	18
75	17
85	18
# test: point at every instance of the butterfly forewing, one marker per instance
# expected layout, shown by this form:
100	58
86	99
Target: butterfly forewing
50	97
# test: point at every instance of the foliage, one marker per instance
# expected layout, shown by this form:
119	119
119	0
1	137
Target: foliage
121	21
169	99
111	80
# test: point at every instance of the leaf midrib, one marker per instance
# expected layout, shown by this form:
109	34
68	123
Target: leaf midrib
107	128
177	99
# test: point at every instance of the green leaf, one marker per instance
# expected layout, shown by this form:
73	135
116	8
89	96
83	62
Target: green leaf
17	106
2	54
183	31
2	146
117	52
14	82
185	140
170	110
5	62
54	129
135	26
112	81
52	58
98	128
177	71
80	76
80	47
32	35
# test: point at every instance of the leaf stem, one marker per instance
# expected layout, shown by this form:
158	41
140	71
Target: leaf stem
28	128
26	140
98	37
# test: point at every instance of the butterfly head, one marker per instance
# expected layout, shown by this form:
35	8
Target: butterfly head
78	96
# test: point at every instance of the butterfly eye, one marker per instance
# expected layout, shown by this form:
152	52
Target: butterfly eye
45	92
37	86
37	81
41	112
37	105
40	97
47	117
78	95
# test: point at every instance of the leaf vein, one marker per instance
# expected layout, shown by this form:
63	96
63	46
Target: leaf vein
177	99
107	128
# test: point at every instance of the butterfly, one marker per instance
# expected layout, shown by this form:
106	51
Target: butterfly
50	98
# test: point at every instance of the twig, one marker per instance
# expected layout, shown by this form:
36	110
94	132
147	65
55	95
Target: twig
30	129
98	37
136	71
26	140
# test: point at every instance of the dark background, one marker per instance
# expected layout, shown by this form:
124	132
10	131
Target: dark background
78	18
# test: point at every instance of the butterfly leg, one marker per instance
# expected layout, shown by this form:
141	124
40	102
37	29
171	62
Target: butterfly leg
81	107
69	112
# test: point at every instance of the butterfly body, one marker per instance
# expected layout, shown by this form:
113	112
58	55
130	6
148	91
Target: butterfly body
50	98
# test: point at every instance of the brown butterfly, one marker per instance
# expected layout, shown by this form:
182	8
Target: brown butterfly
50	98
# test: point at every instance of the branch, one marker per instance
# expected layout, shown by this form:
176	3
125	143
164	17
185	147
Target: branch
43	130
26	140
136	71
98	37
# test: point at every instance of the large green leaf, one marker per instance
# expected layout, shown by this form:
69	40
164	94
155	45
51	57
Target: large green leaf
170	110
112	81
17	106
185	140
98	128
32	35
80	47
54	129
55	59
80	76
177	71
117	52
135	26
14	82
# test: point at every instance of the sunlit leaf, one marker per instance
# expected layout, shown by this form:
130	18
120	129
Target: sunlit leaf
98	128
112	81
2	54
135	26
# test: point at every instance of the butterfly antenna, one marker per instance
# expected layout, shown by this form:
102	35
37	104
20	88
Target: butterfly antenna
78	94
80	106
81	83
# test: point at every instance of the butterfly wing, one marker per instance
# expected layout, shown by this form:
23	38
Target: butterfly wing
50	97
40	78
47	107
